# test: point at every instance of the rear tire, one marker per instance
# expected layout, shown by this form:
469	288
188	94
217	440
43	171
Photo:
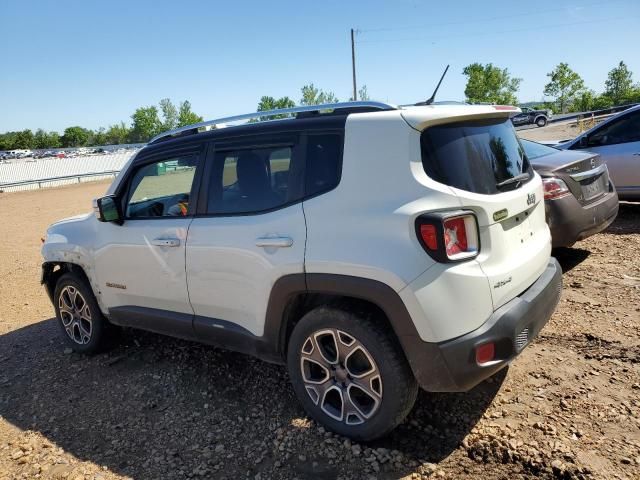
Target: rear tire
541	121
83	326
349	374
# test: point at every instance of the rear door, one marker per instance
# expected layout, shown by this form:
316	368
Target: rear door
480	160
250	232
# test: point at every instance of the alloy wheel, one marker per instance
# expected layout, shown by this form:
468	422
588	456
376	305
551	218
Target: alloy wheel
340	376
75	315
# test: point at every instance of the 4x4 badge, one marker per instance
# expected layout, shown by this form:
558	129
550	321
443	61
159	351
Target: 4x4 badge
531	199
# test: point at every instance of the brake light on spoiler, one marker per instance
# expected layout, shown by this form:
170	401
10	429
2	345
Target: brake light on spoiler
449	236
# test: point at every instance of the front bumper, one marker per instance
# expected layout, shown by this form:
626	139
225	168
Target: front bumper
451	366
569	221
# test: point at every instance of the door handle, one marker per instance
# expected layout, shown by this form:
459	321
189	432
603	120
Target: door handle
278	242
636	154
165	242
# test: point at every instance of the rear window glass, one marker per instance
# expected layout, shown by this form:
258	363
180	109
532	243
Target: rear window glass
475	156
535	150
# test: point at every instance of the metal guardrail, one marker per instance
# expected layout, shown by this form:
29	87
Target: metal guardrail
40	181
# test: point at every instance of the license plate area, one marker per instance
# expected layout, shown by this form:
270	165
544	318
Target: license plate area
594	187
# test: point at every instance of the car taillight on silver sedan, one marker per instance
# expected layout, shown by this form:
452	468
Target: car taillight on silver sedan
554	188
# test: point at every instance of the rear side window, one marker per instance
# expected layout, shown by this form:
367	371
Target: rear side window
323	163
474	156
252	180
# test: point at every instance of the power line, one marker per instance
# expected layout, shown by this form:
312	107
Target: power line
493	32
478	20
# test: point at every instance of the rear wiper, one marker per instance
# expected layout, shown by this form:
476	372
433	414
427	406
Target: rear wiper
516	179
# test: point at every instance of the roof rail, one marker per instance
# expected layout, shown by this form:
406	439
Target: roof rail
270	113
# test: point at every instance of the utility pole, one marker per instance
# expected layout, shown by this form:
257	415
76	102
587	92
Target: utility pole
353	66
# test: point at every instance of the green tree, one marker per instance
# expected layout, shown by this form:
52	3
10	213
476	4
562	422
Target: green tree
490	84
314	96
563	86
600	102
43	139
186	116
619	84
8	140
146	124
75	137
269	103
169	114
584	101
98	137
24	139
363	94
117	134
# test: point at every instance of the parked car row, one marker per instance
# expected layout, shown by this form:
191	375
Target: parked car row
69	153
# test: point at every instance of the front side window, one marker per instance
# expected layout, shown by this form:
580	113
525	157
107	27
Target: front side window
479	156
250	180
162	188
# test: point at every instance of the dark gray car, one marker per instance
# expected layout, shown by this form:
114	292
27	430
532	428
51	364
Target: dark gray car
580	199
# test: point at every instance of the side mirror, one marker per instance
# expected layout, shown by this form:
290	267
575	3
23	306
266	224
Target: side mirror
107	210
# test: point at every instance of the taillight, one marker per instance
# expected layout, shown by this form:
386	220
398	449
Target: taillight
554	188
428	234
449	236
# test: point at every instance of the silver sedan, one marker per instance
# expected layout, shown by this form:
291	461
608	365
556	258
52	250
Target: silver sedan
617	140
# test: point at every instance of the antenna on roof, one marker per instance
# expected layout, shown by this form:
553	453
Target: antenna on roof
433	96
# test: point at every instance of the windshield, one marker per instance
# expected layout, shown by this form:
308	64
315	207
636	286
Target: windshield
476	156
535	150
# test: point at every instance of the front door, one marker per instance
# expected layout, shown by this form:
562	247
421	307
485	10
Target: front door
141	263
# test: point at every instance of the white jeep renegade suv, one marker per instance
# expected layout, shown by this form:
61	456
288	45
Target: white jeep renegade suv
371	248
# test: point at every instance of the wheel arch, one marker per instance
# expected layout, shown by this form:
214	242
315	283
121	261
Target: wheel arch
53	270
293	296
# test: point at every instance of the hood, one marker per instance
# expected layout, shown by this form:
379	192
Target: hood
561	159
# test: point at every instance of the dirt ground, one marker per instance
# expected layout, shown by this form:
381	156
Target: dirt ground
156	407
553	131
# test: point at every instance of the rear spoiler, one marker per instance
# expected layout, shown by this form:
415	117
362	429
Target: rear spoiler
422	117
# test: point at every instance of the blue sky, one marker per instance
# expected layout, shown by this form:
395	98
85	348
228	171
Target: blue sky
91	63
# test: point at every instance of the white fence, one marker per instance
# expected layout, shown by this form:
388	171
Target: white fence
27	174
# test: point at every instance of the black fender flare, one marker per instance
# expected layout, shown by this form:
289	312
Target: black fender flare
378	293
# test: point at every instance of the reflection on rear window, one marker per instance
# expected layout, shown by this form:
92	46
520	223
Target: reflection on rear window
475	155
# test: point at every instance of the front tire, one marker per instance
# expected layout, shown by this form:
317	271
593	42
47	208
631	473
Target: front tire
83	326
349	374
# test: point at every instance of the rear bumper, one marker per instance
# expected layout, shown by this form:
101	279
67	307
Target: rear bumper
569	221
451	366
